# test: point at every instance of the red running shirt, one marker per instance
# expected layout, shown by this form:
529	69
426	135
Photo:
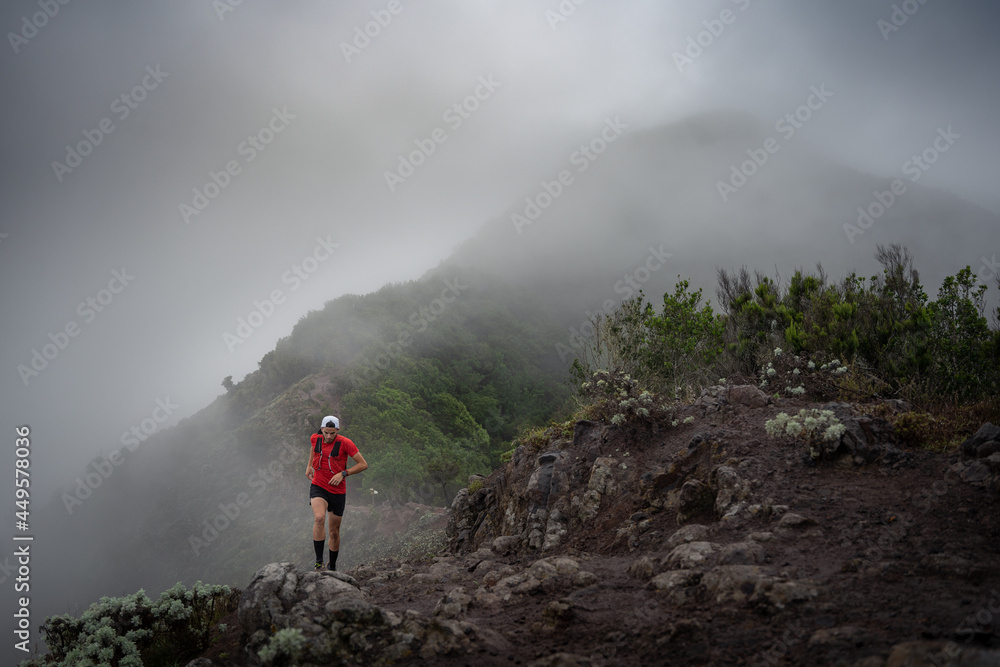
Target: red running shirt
327	464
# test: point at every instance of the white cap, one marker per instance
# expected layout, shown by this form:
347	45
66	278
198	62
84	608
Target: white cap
330	422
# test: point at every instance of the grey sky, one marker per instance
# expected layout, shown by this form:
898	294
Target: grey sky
345	124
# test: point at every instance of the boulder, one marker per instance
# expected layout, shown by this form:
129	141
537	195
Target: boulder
780	594
731	583
600	484
748	396
335	618
642	568
728	486
742	553
695	499
693	532
506	544
718	397
866	439
677	585
985	442
689	556
454	604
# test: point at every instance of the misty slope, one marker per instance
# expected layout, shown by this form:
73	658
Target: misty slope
478	362
659	187
707	540
475	366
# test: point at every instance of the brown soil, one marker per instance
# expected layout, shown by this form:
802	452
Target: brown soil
898	553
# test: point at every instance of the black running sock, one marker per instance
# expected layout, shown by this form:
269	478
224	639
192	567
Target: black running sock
333	559
318	546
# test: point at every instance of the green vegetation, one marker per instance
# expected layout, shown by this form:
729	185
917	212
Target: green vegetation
857	339
133	631
672	350
618	398
811	426
431	378
433	390
285	647
896	342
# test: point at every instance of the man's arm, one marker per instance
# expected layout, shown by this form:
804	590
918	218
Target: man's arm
310	471
360	466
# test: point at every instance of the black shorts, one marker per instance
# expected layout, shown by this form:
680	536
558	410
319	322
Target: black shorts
334	501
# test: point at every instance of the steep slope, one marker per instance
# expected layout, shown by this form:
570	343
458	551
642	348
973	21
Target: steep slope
213	497
706	541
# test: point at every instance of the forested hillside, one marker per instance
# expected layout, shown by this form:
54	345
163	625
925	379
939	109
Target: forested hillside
443	377
432	379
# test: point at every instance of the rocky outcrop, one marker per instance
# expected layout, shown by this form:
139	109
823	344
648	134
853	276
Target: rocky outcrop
866	439
984	443
701	539
540	496
980	464
719	397
291	617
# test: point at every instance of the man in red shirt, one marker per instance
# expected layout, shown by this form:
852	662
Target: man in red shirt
327	469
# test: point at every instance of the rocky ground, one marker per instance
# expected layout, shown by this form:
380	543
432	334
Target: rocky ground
708	542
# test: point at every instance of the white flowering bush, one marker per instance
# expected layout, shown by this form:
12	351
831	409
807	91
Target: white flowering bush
133	630
620	399
810	425
792	375
285	647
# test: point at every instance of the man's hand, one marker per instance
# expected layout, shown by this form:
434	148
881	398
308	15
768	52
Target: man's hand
341	479
310	471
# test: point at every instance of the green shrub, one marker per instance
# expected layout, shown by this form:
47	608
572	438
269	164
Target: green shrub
810	426
133	631
285	647
672	350
883	329
913	429
617	398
